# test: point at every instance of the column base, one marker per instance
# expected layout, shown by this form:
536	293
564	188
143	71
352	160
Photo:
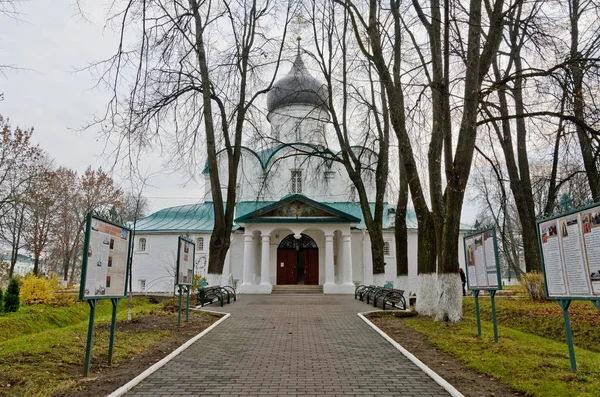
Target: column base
245	288
332	288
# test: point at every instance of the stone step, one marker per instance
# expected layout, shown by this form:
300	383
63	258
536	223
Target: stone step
297	289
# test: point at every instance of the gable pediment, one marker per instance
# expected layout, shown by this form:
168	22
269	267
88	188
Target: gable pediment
297	208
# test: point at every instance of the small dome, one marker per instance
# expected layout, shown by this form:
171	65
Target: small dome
297	87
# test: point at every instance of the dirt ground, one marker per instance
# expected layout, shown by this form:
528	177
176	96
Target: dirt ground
103	380
468	382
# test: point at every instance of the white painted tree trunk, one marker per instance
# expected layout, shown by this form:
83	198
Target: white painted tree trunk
379	279
213	279
449	307
427	294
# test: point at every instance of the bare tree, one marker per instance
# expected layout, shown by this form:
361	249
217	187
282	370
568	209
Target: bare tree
358	108
199	68
439	227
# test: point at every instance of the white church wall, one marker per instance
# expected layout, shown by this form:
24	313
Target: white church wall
413	249
357	256
390	259
153	269
237	256
299	123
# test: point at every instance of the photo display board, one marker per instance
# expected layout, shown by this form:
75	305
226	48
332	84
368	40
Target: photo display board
105	260
185	262
570	246
481	257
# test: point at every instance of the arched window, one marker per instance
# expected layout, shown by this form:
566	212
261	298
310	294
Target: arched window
200	244
386	248
296	181
142	245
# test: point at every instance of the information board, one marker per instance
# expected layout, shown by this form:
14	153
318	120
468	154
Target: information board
185	262
105	260
481	257
570	246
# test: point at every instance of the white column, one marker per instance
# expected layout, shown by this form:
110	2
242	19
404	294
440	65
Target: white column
348	261
248	256
265	267
329	270
367	260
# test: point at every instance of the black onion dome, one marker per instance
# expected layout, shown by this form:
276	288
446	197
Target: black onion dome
297	87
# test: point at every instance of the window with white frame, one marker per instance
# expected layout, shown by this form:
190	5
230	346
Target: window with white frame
296	181
142	245
200	244
142	285
386	248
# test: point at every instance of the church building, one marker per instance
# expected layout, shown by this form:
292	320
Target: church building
297	220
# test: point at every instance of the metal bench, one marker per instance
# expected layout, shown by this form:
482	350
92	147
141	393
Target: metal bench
360	290
394	297
209	294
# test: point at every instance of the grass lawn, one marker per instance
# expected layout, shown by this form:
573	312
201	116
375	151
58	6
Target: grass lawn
42	348
542	318
532	355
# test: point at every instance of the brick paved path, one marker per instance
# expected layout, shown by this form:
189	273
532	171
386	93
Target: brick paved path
290	345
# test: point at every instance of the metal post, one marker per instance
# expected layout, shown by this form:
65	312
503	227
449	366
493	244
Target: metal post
187	304
88	347
564	304
113	328
492	295
476	295
179	308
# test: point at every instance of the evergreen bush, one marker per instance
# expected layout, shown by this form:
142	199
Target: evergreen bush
11	299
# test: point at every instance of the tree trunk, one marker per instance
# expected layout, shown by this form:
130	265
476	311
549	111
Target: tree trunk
585	142
427	296
401	231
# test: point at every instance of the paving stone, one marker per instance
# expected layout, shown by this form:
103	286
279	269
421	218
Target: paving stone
290	345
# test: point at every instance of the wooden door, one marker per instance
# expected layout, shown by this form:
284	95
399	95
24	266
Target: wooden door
286	266
311	266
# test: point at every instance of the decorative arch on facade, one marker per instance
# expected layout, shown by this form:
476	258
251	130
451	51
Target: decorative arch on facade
304	242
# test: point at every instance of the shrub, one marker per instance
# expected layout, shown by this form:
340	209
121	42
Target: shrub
533	282
1	302
37	290
64	299
11	299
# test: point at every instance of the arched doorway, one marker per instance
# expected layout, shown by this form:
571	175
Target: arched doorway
298	261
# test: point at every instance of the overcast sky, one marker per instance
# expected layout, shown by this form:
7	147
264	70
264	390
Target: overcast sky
50	41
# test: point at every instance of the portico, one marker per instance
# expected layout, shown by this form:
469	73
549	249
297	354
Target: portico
321	235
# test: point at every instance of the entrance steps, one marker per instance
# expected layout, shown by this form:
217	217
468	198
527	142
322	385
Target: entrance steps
297	289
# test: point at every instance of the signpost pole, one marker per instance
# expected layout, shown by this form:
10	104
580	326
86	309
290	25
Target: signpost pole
187	304
179	307
113	328
564	304
476	295
88	347
492	295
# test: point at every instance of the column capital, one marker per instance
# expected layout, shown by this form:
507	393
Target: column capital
346	237
329	237
266	238
248	237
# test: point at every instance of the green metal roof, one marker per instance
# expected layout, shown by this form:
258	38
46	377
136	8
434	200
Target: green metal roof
199	218
184	218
